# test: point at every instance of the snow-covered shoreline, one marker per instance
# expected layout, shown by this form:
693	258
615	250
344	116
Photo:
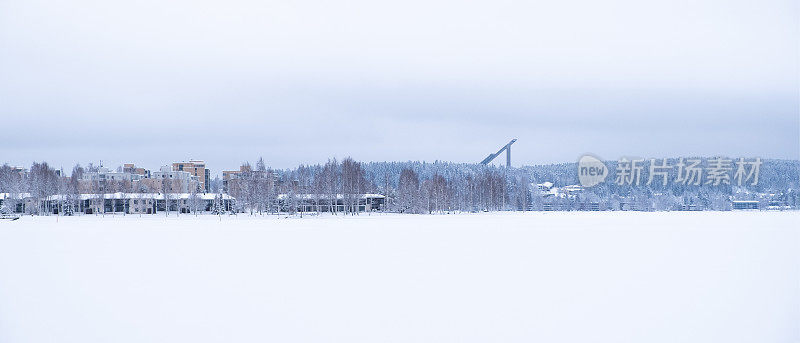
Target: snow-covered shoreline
512	277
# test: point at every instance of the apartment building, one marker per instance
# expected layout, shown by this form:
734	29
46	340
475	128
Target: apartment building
175	181
131	168
100	180
196	168
228	175
21	171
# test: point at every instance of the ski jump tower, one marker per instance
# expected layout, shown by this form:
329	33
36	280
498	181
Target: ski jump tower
506	148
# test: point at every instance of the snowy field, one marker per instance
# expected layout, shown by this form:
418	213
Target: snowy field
502	277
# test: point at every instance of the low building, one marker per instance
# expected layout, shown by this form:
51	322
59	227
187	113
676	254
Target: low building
589	206
691	207
139	203
547	189
327	203
544	187
13	202
744	204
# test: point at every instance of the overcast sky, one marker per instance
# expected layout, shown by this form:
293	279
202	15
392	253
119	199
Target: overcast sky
157	81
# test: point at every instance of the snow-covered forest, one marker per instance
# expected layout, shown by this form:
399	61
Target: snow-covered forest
420	187
411	187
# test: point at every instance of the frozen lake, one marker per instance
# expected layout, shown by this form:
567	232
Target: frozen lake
495	277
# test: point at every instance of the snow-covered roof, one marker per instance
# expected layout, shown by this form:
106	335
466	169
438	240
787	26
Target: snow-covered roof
121	195
155	196
326	196
4	196
572	188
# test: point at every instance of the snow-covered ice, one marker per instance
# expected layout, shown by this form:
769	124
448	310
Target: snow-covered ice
492	277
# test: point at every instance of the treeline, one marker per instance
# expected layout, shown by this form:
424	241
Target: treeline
419	187
408	189
774	175
40	182
260	189
778	182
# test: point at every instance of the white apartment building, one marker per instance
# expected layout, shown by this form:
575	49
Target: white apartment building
103	174
183	179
